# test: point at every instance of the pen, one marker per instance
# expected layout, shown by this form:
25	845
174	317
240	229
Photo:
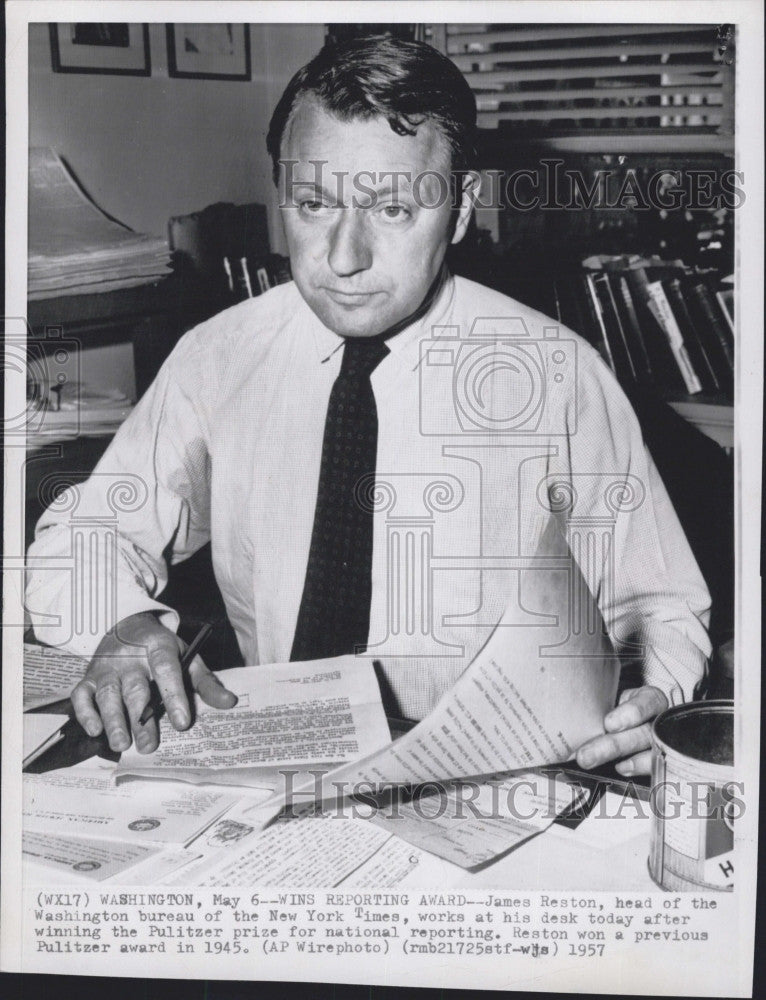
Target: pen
186	659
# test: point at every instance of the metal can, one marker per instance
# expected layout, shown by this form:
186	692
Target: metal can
694	797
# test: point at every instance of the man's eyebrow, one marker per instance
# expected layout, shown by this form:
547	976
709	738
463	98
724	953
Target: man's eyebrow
311	185
400	187
363	184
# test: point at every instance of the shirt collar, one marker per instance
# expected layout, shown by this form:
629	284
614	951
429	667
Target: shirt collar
404	345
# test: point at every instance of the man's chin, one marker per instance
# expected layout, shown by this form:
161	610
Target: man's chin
353	320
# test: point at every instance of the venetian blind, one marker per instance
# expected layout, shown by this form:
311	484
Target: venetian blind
563	78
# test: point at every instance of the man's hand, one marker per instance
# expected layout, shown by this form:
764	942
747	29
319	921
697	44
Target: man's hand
136	651
628	733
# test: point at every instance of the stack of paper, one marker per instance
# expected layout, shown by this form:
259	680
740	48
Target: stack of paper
77	411
315	734
82	801
74	247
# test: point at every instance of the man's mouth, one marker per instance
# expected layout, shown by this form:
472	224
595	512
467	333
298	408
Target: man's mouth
349	298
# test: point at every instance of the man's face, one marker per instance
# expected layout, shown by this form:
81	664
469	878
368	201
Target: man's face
364	249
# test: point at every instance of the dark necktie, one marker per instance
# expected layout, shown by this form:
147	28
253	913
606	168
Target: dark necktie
334	616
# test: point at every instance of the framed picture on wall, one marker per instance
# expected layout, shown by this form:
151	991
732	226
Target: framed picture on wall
209	51
91	47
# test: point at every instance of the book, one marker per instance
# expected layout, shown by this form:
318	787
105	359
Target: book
665	317
725	297
569	302
695	344
663	365
624	368
712	329
263	279
598	330
632	328
719	326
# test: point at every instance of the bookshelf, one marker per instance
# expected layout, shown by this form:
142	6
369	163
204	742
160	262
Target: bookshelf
531	248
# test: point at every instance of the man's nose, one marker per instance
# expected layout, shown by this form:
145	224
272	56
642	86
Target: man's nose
350	249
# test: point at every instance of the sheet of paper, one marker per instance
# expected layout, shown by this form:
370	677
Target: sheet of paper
399	865
288	715
49	675
470	824
531	696
86	804
500	715
158	868
81	857
40	732
315	850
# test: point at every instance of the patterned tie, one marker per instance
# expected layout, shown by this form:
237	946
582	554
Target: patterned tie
334	616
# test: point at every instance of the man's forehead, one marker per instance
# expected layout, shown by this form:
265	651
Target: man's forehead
359	144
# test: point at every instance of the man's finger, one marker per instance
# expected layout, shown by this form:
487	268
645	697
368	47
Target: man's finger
109	701
640	763
642	705
165	664
612	746
82	698
210	689
136	695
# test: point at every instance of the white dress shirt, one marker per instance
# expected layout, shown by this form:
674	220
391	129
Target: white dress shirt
492	421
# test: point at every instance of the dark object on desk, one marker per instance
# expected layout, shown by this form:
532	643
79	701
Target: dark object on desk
76	746
216	254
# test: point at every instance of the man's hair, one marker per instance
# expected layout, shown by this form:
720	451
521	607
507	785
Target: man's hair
408	83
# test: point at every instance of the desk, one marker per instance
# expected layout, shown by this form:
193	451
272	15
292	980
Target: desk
147	316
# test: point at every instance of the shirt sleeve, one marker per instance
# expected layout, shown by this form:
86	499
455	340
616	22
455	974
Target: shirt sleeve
102	548
638	564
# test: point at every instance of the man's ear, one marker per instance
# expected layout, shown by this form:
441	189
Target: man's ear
471	184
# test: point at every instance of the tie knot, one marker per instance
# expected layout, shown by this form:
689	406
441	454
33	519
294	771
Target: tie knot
361	356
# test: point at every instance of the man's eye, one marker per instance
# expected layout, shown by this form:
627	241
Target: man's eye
312	207
395	213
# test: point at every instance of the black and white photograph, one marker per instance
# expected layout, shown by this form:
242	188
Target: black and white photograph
382	507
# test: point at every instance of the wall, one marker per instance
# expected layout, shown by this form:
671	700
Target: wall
146	148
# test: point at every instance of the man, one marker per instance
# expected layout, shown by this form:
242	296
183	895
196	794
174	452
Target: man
269	426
